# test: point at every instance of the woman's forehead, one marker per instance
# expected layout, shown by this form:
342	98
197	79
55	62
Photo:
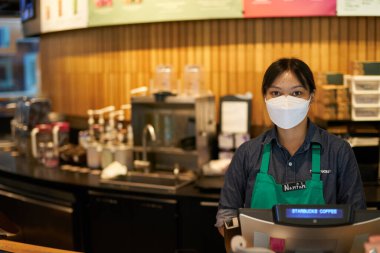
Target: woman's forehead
286	78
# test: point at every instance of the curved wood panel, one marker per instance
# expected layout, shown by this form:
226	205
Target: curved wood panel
93	68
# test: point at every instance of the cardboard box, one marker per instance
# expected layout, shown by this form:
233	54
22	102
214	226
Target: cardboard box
365	68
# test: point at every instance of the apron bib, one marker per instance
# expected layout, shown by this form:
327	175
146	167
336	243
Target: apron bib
268	193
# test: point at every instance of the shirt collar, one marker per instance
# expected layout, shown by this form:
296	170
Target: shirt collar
312	136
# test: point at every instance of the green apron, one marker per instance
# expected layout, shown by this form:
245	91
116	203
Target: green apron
267	192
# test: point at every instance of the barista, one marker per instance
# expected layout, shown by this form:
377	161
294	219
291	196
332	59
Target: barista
295	162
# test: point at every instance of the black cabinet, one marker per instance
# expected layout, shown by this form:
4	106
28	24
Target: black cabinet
43	218
128	223
198	233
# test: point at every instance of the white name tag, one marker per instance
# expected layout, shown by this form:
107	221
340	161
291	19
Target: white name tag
293	186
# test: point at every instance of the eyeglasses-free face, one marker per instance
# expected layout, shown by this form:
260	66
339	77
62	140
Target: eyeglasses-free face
287	84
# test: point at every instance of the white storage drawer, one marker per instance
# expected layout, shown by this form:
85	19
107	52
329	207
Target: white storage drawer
363	84
365	113
365	100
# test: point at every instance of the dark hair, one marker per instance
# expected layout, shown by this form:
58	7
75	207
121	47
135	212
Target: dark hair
295	66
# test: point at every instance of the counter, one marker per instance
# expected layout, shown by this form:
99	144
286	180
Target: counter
75	211
29	170
9	246
95	215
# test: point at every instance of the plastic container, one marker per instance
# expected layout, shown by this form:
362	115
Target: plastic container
363	84
51	158
365	100
93	155
61	133
365	113
193	80
42	133
163	80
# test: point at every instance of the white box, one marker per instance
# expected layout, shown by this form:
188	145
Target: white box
363	84
365	113
365	100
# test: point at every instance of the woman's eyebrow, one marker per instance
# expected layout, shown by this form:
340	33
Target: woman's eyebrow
275	87
279	87
298	86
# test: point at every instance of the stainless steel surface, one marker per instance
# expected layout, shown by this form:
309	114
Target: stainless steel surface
36	202
159	181
147	129
208	203
184	127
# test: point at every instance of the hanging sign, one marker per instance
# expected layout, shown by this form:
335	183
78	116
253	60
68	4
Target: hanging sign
358	8
288	8
113	12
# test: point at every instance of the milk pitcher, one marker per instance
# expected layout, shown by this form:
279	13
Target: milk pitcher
41	135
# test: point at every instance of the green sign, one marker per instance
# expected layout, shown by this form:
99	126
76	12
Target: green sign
113	12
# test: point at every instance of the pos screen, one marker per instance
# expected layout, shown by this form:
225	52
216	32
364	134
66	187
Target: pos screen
313	215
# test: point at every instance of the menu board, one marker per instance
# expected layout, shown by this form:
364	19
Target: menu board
58	15
110	12
358	7
289	8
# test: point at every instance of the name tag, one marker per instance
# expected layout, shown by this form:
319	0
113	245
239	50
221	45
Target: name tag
294	186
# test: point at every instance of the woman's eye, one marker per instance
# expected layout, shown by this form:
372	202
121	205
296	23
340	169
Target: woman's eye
297	93
275	93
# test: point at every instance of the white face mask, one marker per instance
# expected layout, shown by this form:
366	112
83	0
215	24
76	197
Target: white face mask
287	111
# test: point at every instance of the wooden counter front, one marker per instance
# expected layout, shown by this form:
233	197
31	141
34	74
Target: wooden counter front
9	246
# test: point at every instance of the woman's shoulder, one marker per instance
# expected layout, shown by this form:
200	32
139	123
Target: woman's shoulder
256	142
332	141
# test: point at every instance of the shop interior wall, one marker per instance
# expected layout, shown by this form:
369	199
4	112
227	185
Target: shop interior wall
96	67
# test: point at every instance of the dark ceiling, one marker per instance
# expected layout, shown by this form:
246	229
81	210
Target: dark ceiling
9	8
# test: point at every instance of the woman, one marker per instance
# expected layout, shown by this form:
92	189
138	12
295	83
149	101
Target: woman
295	162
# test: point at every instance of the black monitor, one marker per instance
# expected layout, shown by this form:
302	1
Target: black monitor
27	9
309	228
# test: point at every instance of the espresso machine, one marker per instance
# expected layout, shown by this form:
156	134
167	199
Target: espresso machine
174	131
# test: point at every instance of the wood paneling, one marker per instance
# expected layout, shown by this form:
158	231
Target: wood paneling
93	68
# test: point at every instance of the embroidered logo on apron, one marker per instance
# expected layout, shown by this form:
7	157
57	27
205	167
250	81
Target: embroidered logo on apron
293	186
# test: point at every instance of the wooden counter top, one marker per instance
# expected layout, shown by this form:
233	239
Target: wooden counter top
10	246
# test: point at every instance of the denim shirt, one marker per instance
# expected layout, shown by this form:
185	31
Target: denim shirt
340	174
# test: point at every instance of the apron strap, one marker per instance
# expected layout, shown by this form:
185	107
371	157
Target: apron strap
265	158
316	162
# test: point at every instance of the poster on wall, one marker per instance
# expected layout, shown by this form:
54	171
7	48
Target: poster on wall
58	15
288	8
112	12
358	8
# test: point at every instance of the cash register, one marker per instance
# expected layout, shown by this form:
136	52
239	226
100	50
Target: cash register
308	228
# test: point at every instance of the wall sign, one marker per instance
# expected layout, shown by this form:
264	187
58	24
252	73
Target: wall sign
112	12
358	8
58	15
288	8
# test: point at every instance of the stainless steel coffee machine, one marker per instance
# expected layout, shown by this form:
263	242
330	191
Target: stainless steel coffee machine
28	114
173	131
